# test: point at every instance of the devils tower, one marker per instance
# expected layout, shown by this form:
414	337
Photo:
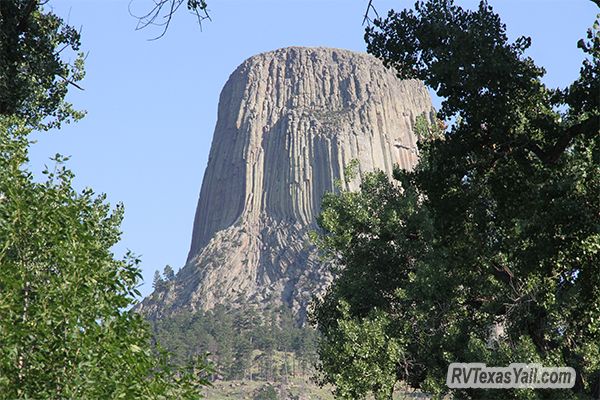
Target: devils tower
289	121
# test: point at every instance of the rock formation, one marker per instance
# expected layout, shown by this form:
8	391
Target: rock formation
289	121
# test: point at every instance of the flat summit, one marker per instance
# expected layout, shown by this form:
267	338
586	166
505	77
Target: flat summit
289	122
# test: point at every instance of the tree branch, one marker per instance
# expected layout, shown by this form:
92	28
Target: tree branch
70	82
588	128
370	7
163	11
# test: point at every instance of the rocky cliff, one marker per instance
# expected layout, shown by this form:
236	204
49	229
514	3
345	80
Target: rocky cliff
289	121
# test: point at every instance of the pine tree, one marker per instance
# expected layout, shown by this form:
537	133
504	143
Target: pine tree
168	273
158	282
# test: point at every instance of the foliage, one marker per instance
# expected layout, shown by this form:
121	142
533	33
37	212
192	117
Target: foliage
243	343
35	73
375	235
168	273
157	281
489	251
65	328
65	332
367	358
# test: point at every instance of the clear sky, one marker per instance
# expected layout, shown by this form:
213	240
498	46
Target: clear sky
152	104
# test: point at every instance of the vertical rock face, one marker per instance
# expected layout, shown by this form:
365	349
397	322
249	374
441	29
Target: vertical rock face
289	121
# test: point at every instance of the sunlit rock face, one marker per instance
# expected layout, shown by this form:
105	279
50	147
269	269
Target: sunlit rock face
289	122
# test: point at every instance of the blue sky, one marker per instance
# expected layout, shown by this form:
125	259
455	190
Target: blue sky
152	104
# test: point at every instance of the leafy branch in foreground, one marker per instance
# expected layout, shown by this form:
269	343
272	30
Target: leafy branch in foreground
64	327
66	331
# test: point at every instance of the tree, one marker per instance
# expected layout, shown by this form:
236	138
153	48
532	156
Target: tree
380	236
497	229
242	351
157	282
168	273
374	355
34	73
65	328
65	332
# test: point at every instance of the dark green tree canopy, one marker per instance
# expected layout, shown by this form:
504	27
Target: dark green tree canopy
486	81
490	249
35	73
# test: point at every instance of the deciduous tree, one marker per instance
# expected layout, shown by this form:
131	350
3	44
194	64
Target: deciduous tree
489	251
66	331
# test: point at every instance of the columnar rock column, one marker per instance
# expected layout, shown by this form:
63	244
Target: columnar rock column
289	121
